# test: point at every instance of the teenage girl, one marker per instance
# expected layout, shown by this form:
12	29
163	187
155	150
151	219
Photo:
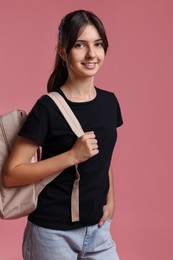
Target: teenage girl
51	232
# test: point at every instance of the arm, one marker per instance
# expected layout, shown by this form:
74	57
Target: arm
108	209
20	171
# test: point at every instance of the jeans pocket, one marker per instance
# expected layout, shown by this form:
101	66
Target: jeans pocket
109	220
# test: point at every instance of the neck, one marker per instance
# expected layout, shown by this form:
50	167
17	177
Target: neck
79	90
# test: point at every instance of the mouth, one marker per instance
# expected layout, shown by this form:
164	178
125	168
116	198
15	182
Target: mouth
89	65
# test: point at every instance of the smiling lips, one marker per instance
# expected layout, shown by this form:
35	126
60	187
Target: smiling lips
89	65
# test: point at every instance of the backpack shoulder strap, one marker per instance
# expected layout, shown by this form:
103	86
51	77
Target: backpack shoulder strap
77	129
67	113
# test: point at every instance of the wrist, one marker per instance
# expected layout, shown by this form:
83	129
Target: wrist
110	207
72	158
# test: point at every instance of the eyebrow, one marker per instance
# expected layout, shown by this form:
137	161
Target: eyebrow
87	41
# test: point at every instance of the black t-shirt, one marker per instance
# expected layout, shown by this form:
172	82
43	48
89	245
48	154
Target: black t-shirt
46	126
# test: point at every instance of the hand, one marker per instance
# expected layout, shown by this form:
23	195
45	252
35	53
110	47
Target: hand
85	147
108	211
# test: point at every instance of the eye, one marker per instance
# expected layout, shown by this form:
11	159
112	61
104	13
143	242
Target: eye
99	44
79	45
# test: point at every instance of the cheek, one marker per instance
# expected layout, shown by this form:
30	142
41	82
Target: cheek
74	58
102	53
102	56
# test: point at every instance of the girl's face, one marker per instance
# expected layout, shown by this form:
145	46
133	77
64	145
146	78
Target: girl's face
87	54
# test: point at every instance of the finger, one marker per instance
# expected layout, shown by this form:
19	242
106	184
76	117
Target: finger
104	218
94	147
90	135
94	141
95	152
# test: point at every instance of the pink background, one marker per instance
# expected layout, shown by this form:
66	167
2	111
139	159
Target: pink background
138	69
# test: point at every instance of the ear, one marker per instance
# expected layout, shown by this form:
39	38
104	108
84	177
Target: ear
62	53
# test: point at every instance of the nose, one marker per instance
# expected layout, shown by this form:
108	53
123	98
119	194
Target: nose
91	52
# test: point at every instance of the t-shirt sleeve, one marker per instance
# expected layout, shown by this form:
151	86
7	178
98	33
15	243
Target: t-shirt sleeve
119	119
35	127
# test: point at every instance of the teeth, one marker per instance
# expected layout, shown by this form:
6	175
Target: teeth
89	64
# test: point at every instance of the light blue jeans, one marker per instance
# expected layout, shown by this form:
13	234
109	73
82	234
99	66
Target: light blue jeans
89	243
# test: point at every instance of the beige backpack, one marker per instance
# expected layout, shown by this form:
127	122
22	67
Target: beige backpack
16	202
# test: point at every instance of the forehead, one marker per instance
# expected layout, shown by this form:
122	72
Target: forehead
89	33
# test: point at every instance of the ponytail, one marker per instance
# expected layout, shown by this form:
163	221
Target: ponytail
58	76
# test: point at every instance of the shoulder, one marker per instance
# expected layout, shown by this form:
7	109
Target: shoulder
106	95
45	100
43	109
45	103
104	92
111	104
